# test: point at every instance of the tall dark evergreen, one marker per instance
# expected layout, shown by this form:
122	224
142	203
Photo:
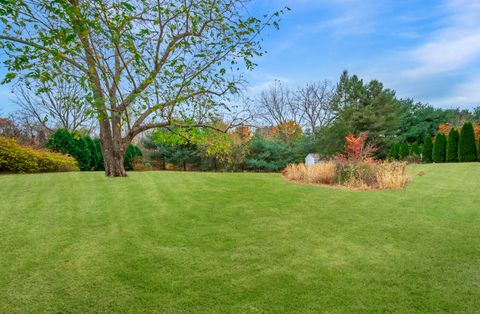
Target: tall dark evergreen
131	152
478	149
72	143
427	150
452	145
415	149
467	150
393	153
404	151
440	148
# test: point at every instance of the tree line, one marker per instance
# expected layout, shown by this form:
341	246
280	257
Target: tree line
288	124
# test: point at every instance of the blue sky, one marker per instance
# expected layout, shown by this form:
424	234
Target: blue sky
424	49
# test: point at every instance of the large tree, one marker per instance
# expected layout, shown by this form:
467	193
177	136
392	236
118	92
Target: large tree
142	64
368	108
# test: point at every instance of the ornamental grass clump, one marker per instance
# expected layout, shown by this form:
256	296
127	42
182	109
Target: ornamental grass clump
392	175
364	175
354	169
323	173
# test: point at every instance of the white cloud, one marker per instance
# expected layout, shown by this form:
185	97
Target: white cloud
464	94
453	46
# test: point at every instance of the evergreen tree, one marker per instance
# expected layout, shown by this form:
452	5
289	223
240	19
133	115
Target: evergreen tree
452	145
467	150
404	151
131	152
427	150
81	151
415	149
96	158
98	153
393	153
440	148
478	150
72	143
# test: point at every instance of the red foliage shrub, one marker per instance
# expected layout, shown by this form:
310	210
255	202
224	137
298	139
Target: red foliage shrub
356	148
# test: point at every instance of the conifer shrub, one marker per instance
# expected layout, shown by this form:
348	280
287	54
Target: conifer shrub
452	145
415	149
427	154
440	148
478	149
72	143
98	155
131	156
467	150
393	152
404	151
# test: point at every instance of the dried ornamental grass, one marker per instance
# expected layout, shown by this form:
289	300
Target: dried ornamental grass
392	175
358	175
324	173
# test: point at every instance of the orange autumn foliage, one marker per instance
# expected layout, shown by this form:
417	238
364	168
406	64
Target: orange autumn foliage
289	131
445	128
243	132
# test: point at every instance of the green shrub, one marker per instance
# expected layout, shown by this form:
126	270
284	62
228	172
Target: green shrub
20	159
404	151
478	150
415	149
452	146
427	150
467	150
131	152
98	155
440	148
72	143
393	153
269	155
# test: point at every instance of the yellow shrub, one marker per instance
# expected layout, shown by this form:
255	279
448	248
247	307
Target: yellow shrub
20	159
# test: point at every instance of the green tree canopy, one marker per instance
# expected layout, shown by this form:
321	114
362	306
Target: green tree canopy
142	65
367	108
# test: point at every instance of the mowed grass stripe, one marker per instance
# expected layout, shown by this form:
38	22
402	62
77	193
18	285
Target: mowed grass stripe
221	242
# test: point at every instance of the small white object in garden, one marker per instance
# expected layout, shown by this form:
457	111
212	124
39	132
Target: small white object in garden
312	159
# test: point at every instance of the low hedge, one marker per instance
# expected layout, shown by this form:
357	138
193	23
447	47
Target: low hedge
20	159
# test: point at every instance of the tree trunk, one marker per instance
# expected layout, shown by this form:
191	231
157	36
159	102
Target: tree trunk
113	151
114	164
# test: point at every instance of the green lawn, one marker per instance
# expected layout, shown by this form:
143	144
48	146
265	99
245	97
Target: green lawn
207	242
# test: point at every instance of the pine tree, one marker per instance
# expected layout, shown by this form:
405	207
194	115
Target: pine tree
440	148
404	151
467	150
427	150
452	145
415	149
